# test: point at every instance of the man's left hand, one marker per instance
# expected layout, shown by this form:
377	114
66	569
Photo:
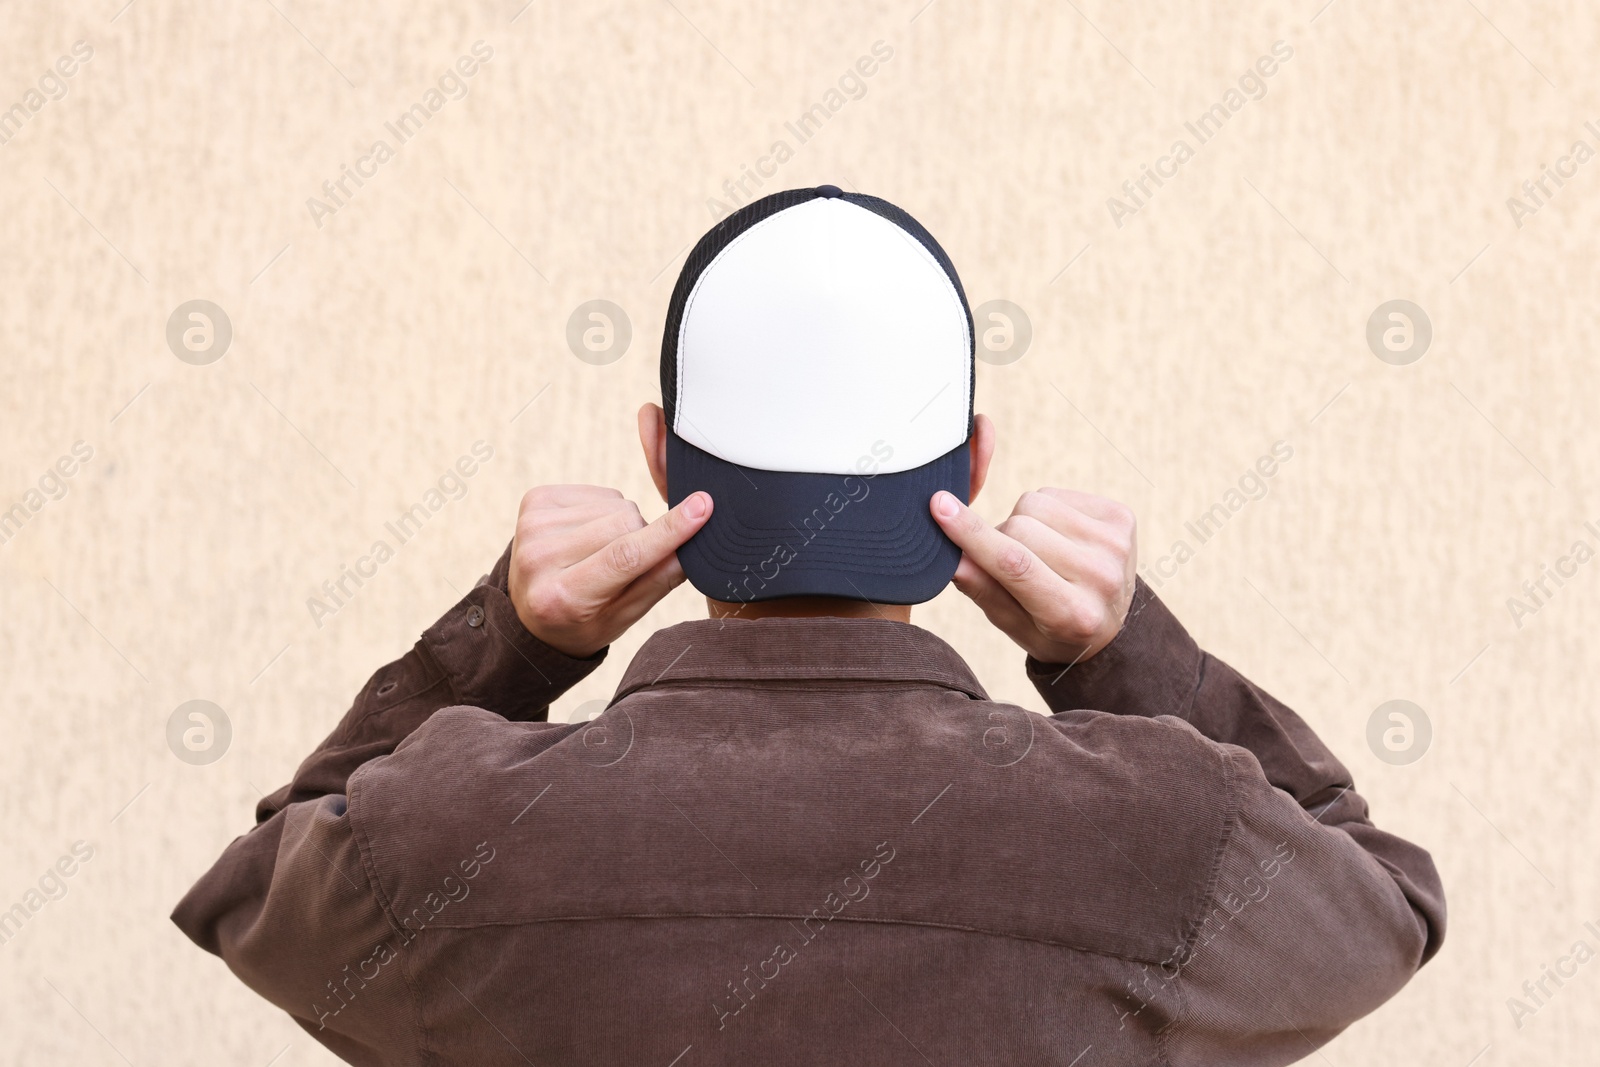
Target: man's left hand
1057	575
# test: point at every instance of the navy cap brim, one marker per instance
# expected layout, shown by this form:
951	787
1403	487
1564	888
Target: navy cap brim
864	536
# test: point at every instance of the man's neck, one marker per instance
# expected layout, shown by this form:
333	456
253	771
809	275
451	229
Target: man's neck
809	607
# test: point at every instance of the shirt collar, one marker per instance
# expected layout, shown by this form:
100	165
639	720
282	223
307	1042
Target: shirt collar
836	649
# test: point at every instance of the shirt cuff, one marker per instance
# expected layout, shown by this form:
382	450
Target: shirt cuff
491	659
1152	667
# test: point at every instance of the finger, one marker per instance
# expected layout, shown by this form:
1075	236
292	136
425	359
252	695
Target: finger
1072	618
647	590
1034	585
1113	512
1114	538
606	573
1086	563
561	537
562	496
1062	516
550	522
570	547
1002	609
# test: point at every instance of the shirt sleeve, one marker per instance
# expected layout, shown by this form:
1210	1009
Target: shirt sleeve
289	906
1315	916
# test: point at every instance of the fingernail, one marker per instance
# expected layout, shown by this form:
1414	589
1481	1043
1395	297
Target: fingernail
945	505
695	506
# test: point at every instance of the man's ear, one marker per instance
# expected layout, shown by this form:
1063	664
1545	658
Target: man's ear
653	439
982	447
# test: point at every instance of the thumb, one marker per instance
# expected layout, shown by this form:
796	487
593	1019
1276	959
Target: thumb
613	568
1008	561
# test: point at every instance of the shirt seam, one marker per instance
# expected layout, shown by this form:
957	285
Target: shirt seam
370	870
777	681
1230	825
756	674
1199	680
424	1049
1052	942
370	709
386	909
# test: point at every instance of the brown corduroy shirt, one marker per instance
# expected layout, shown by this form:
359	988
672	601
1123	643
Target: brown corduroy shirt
816	841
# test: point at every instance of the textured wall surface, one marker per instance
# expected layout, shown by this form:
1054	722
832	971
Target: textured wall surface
1177	335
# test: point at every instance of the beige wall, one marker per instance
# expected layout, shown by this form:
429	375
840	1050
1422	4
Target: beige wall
1225	315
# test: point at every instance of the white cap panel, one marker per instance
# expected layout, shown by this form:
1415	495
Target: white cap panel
817	332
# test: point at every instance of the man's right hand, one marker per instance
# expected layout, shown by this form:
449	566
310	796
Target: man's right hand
585	566
1057	575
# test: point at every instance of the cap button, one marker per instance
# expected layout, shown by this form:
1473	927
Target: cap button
829	192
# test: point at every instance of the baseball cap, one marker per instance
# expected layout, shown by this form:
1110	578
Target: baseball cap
817	377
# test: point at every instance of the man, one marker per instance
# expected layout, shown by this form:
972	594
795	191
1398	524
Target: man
801	833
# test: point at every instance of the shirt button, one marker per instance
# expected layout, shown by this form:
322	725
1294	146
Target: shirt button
474	616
